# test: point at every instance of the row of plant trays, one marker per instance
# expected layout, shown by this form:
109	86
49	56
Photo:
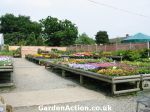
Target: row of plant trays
137	82
39	61
114	81
6	76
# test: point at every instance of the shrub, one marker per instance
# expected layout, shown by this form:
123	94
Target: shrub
132	55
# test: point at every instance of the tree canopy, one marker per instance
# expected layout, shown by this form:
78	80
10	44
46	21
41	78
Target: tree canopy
102	37
59	33
50	31
20	30
85	39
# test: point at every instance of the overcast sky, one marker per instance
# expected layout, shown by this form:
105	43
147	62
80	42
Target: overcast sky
89	17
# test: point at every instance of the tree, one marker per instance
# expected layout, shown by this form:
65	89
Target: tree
40	41
70	32
8	23
21	30
23	24
16	29
84	39
59	33
31	40
15	38
102	37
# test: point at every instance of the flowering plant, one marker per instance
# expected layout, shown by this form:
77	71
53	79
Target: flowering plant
5	60
117	72
83	66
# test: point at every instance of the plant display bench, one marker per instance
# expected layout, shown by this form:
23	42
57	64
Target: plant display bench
34	60
6	76
113	81
145	81
39	61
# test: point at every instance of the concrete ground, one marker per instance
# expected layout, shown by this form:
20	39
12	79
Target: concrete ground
34	86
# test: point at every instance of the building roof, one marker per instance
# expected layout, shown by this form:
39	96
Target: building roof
139	37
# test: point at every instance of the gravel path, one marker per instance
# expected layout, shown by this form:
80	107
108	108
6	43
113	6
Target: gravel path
31	77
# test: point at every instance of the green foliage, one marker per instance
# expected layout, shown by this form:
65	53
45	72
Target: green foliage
17	52
22	24
59	33
102	37
106	54
132	55
54	50
6	53
137	63
15	38
39	51
8	23
144	60
120	53
18	30
6	48
143	67
144	53
144	70
40	41
85	39
31	40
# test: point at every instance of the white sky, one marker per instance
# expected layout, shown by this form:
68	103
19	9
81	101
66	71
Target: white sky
89	17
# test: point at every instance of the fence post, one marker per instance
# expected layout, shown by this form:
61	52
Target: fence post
105	47
96	47
148	47
21	51
44	48
76	47
88	48
81	47
130	46
116	46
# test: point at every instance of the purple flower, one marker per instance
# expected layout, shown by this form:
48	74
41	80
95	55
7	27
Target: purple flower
83	66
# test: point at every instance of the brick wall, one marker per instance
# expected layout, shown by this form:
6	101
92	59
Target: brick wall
33	49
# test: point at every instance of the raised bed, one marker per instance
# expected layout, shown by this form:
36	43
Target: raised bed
34	60
114	81
145	81
39	61
117	58
6	76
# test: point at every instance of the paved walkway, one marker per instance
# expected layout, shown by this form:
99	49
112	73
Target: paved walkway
35	85
53	96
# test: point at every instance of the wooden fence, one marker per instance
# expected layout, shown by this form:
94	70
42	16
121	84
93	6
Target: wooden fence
89	48
111	47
